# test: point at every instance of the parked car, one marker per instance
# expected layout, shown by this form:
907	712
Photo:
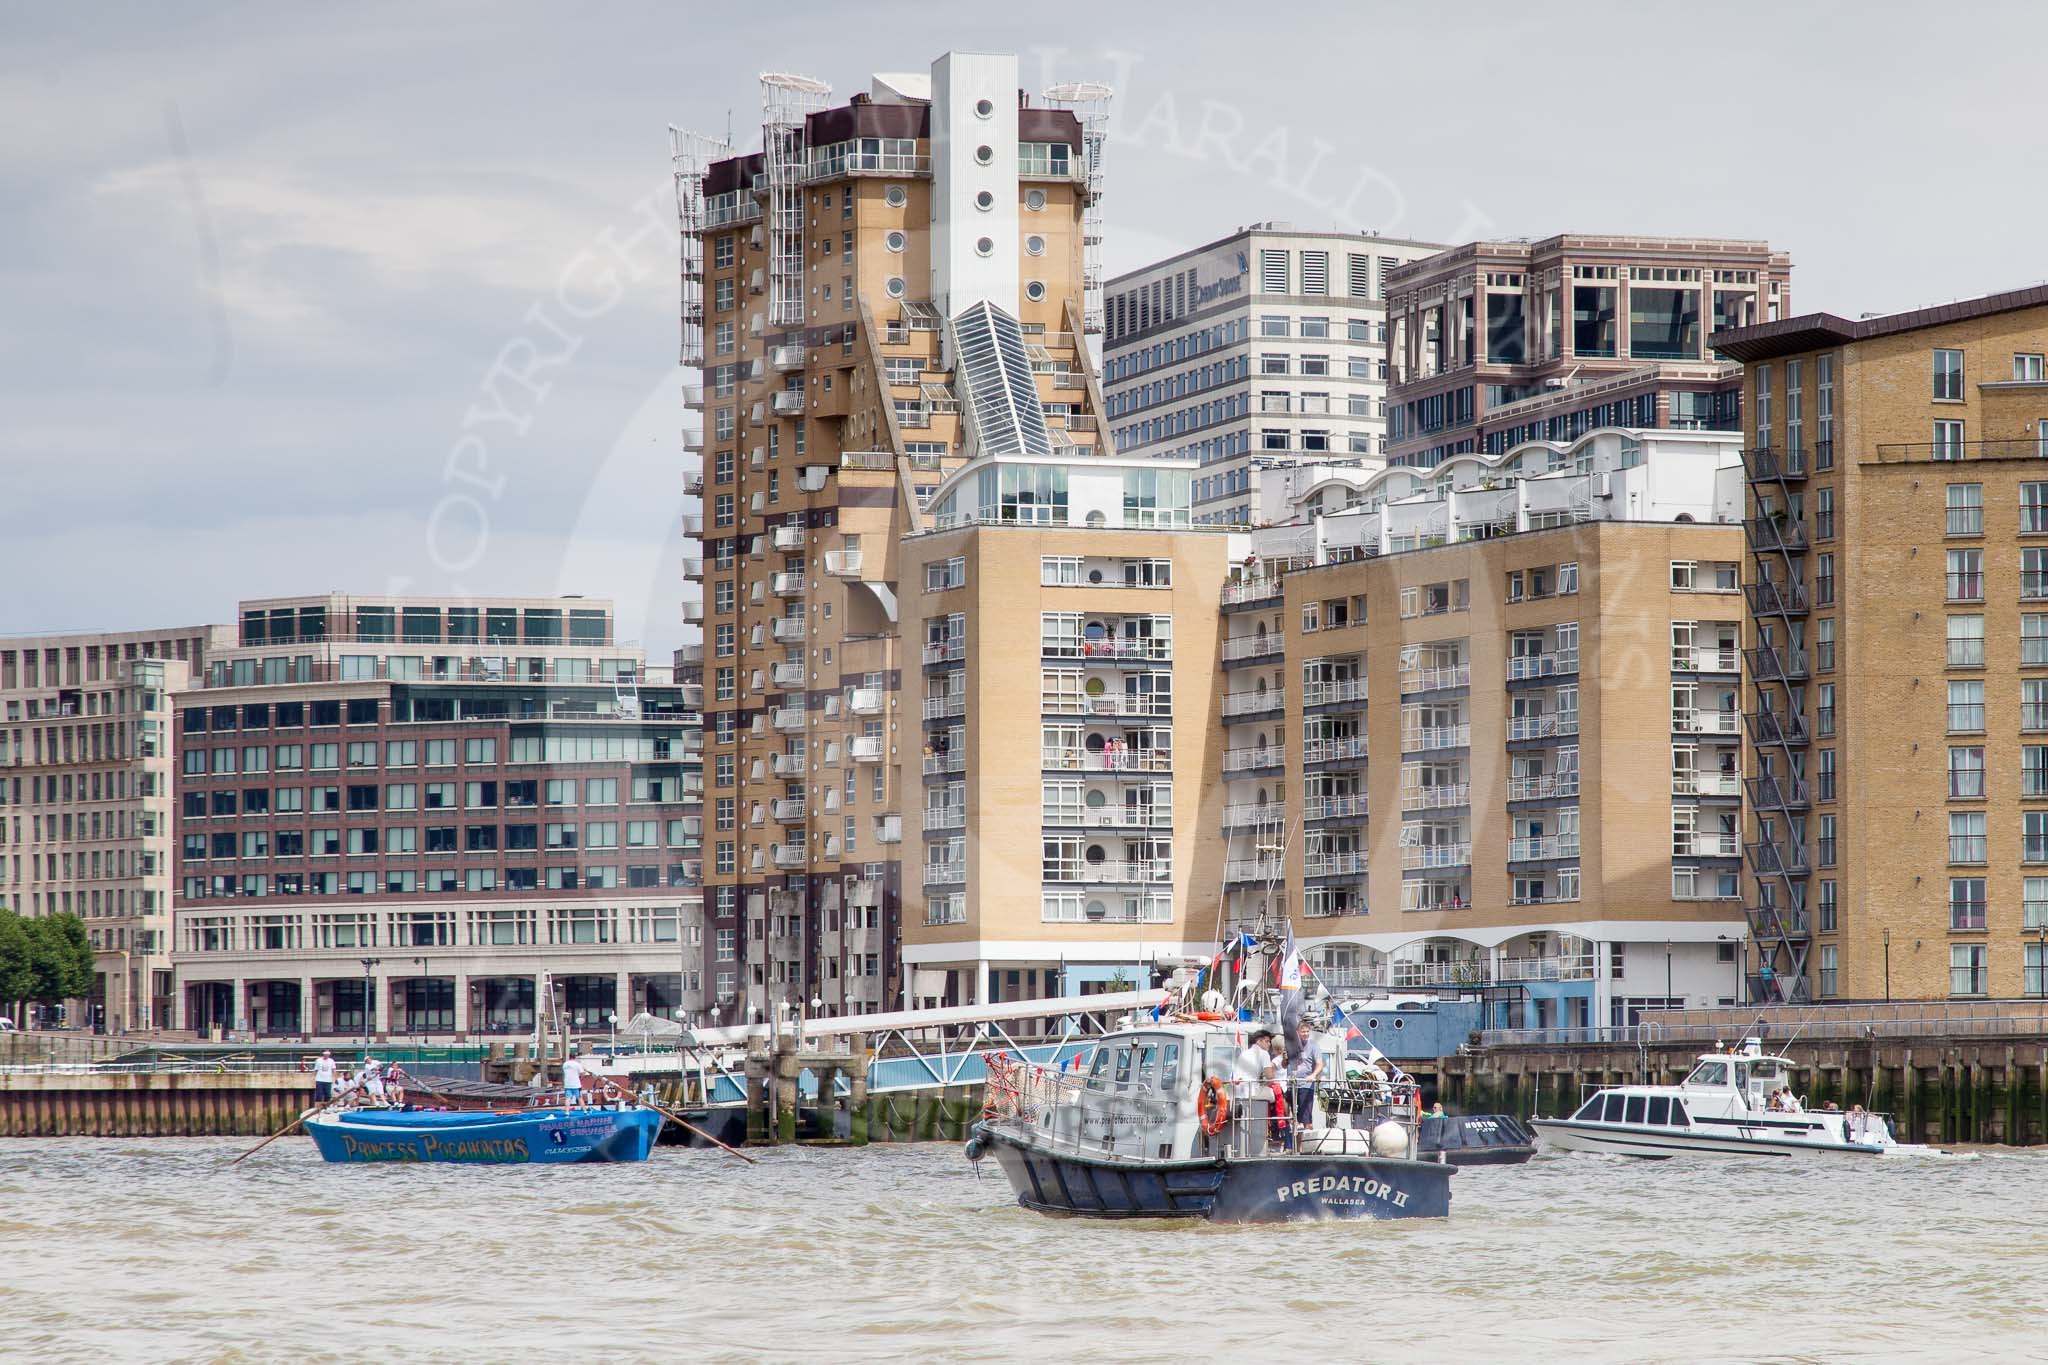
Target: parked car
6	1024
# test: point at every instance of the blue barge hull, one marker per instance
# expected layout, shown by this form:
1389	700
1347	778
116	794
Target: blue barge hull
537	1136
1273	1189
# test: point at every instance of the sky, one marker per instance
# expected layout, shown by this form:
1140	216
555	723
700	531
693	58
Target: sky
381	298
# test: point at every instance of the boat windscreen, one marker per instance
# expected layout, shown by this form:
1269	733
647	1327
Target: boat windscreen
1590	1109
1709	1073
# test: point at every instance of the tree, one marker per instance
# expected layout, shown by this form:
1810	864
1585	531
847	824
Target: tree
63	959
17	957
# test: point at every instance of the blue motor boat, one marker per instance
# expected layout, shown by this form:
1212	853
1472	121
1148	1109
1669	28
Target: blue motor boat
486	1138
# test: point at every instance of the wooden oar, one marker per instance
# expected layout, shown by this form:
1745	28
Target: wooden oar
673	1117
276	1135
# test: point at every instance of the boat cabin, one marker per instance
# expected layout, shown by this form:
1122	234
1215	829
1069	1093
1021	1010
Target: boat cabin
1750	1076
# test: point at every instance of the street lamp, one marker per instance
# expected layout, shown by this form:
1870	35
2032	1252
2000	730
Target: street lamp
423	988
1667	973
1887	936
2041	959
369	1000
612	1018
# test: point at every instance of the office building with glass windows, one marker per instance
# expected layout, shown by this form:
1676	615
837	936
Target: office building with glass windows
1494	343
86	801
431	817
1266	349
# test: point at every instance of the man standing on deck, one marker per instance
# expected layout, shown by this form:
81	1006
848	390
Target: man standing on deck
572	1081
1254	1095
323	1078
1304	1069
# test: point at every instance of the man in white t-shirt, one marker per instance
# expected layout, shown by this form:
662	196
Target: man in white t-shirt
372	1079
572	1080
323	1078
1254	1092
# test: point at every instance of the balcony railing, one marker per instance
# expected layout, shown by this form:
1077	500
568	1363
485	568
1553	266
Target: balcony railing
1941	452
941	874
787	537
1776	534
1350	807
1139	704
1543	787
945	704
787	584
1768	463
1706	659
1343	749
787	675
1695	783
788	809
1543	727
1774	663
787	765
1437	737
1537	848
1771	597
1333	692
1570	967
1543	665
1774	857
1114	648
1252	814
1436	679
788	855
948	650
1144	872
865	748
1770	921
1705	843
1776	727
1778	793
1108	816
1350	978
1443	796
865	701
1695	721
1252	647
787	629
1472	971
1250	759
789	402
1254	703
788	718
1254	870
843	563
945	817
1100	761
1344	864
1250	590
1416	856
936	765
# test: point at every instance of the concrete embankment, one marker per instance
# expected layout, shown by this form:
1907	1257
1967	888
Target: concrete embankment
60	1103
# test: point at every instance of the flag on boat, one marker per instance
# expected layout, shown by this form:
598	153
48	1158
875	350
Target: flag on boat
1339	1019
1290	963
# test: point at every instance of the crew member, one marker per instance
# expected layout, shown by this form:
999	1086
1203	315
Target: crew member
323	1078
572	1080
1304	1069
1254	1080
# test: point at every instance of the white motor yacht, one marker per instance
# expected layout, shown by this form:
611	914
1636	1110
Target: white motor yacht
1723	1106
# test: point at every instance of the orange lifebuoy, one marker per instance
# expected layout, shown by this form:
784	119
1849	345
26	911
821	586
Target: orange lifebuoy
1213	1106
1207	1016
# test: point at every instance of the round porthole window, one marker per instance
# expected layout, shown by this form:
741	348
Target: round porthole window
984	201
1397	1023
1034	200
985	246
895	286
896	196
984	154
1035	245
896	241
983	108
1035	291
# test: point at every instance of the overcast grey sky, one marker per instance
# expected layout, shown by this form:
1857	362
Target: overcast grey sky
381	298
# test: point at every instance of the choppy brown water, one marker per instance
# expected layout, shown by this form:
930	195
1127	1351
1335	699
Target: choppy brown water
160	1251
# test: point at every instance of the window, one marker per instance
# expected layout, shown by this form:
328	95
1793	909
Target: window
2026	369
1965	642
1966	575
2034	572
1948	440
1966	969
2034	906
1966	904
1824	580
1966	509
1966	842
1824	644
1966	772
2034	829
1948	376
1824	514
1966	704
2034	704
2034	770
1829	971
1829	910
2034	509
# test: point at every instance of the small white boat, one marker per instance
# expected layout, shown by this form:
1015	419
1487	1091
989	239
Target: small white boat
1722	1107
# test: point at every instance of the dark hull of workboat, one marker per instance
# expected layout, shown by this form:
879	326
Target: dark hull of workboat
1475	1140
1256	1190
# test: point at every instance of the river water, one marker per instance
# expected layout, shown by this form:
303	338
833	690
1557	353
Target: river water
160	1250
